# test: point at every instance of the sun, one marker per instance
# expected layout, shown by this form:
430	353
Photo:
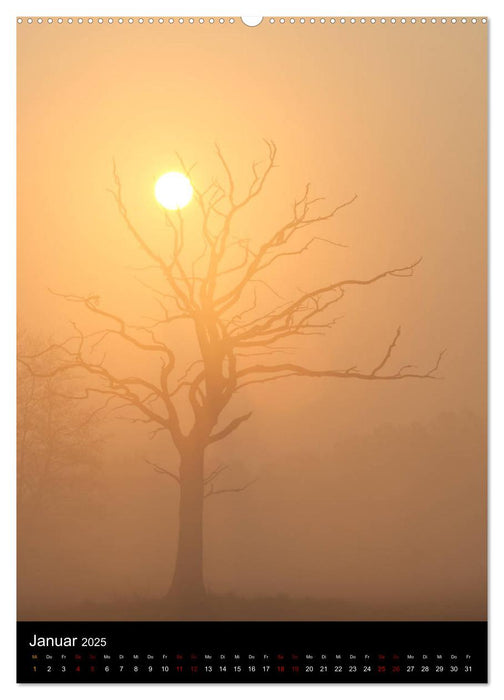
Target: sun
173	190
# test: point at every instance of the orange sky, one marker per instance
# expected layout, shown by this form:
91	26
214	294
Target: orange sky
394	114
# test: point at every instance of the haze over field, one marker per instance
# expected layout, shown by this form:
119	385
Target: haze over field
364	499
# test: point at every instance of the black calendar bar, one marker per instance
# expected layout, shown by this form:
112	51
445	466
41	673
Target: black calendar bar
252	652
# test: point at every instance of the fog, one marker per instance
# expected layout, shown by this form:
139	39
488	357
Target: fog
342	498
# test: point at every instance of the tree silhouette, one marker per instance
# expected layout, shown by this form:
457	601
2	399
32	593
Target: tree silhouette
233	324
58	439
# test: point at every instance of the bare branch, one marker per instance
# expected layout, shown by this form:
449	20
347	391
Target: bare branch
214	492
91	303
220	243
289	369
231	427
215	473
163	266
283	322
162	470
301	219
388	353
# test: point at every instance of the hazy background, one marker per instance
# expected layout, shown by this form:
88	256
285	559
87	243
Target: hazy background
369	494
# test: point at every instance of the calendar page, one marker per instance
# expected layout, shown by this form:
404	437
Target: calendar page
252	349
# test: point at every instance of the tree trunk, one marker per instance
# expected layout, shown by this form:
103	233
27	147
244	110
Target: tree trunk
187	588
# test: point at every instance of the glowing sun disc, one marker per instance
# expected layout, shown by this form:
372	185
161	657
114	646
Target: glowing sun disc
173	190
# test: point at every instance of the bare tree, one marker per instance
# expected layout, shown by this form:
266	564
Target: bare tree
224	294
57	440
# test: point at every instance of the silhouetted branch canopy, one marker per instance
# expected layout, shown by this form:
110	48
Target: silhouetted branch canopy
224	291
